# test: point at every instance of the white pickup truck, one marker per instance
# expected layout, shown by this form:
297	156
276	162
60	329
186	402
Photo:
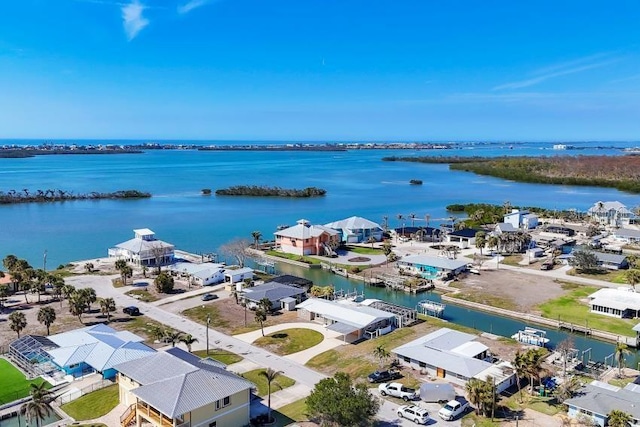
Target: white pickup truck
398	390
453	409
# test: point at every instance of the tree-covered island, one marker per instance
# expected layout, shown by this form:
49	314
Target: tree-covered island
263	191
43	196
620	172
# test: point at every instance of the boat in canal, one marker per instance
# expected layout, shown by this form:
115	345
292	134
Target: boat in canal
531	336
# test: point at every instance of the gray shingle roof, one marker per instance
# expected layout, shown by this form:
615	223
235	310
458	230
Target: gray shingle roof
602	399
272	290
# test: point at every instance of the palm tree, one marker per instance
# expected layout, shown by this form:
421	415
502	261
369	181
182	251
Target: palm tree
257	235
107	305
400	223
519	368
172	336
270	375
18	322
381	353
120	264
475	391
261	317
88	267
77	305
37	409
188	340
619	354
125	272
46	316
89	296
265	304
618	418
481	240
633	278
533	366
412	216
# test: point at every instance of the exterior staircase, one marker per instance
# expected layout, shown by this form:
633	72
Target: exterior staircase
128	419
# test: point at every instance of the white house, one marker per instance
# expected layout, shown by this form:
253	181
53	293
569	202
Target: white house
356	229
619	302
238	275
204	274
456	356
144	249
597	399
352	321
614	214
627	235
521	219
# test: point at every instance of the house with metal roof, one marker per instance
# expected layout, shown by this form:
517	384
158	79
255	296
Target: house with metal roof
275	292
238	274
627	235
203	274
144	249
176	388
597	399
307	239
454	356
619	302
96	349
356	229
521	219
432	267
353	321
614	214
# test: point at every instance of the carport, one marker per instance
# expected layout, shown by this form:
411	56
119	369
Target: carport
344	329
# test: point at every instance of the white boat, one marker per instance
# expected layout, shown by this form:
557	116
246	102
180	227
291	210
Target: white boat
431	308
531	336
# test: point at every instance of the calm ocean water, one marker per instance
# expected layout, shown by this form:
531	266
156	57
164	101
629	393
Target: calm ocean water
357	183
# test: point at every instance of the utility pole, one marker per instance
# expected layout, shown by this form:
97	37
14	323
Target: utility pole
208	322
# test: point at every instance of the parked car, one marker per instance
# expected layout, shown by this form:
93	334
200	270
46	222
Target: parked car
209	297
132	310
383	376
414	413
398	390
453	409
546	266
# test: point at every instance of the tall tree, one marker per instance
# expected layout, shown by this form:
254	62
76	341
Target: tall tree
4	294
107	305
584	260
338	401
618	418
77	305
519	368
260	317
475	391
257	235
620	352
46	316
270	375
125	273
236	249
633	278
164	283
18	322
37	409
172	336
481	240
120	264
533	366
266	305
382	354
89	296
188	340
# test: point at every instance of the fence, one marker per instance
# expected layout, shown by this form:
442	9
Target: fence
77	393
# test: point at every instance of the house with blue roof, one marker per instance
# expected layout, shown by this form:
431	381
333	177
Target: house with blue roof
95	348
432	267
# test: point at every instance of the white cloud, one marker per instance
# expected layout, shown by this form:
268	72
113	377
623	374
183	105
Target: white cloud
571	67
190	5
133	20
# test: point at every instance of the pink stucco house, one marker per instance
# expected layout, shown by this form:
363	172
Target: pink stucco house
307	239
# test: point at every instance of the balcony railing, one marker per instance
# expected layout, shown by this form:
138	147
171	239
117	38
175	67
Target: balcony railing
154	416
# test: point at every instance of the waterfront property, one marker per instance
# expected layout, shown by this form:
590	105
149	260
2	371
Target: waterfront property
420	234
353	321
454	356
432	267
281	296
238	275
79	352
627	235
356	229
465	238
521	219
144	249
597	399
299	282
613	214
306	239
176	388
204	274
619	302
505	228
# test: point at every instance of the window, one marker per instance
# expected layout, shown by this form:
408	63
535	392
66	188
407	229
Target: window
213	424
226	401
217	405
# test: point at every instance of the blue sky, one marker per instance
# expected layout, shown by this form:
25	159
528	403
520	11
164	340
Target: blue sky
320	69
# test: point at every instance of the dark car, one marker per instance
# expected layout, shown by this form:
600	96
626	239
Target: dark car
132	310
209	297
546	266
383	376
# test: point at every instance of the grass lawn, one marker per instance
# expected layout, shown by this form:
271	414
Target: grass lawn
513	260
261	382
569	308
613	276
290	341
142	295
621	382
224	356
299	258
487	299
365	251
199	314
14	383
142	325
94	404
291	413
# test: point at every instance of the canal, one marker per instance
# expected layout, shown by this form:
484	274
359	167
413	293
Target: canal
460	315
